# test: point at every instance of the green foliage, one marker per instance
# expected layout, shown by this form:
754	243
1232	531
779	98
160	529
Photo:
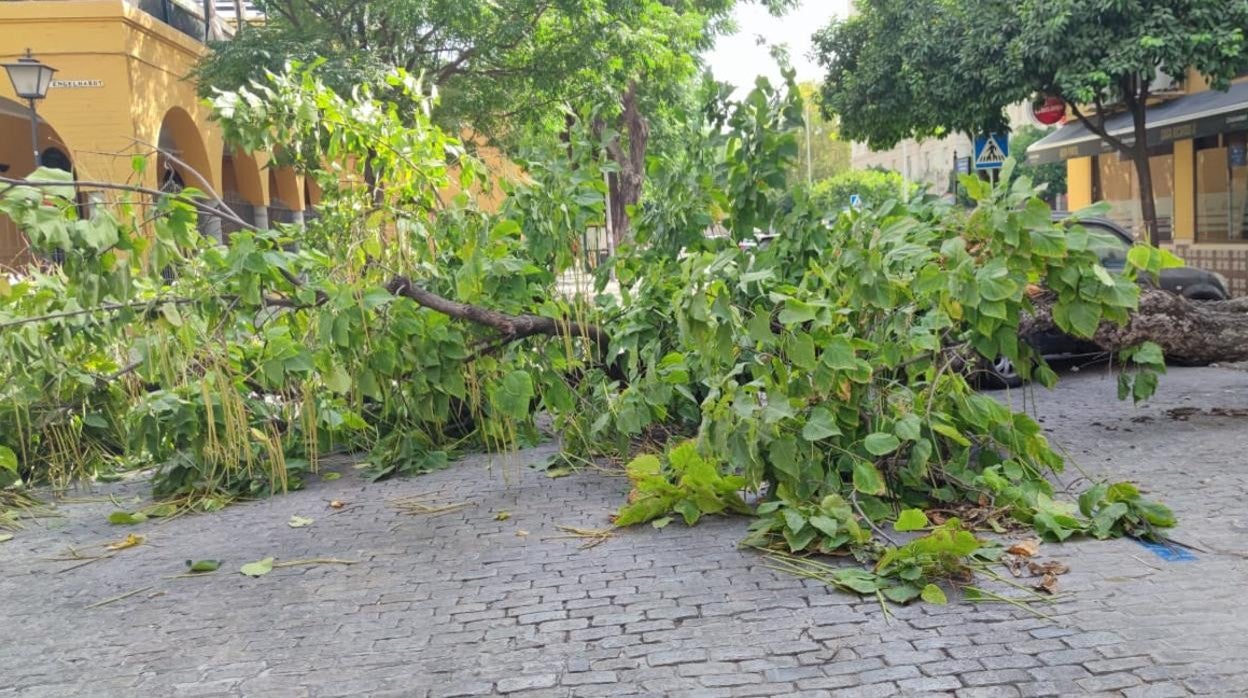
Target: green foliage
898	69
689	485
908	572
874	187
828	526
1051	176
823	369
826	155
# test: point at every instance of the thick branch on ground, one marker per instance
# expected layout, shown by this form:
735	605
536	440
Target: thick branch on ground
511	327
1186	330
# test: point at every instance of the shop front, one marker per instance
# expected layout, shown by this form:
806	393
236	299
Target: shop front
1199	164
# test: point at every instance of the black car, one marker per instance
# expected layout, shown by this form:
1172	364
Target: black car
1112	247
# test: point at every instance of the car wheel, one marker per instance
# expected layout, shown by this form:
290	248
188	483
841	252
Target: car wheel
997	374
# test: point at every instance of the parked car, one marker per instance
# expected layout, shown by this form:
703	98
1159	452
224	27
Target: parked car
1112	247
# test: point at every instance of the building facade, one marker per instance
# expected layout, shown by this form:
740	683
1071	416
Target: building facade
1197	141
122	88
927	162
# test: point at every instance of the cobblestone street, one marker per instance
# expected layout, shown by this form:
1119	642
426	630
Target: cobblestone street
464	604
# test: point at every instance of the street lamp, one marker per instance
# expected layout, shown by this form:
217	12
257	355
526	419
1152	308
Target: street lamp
31	80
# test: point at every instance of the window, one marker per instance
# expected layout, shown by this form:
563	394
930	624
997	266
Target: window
1116	184
1222	188
1108	246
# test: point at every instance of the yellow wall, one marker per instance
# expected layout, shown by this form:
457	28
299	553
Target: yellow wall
1078	183
143	65
1184	192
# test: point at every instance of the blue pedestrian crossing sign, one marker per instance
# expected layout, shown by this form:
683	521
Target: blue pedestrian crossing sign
855	201
991	150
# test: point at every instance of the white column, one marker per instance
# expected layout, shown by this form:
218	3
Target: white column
210	224
260	213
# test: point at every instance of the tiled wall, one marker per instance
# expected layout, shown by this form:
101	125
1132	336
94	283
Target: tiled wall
1229	260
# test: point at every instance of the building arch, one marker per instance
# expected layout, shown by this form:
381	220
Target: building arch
17	160
180	137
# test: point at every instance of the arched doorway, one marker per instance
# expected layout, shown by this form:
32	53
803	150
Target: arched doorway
285	198
17	161
242	190
183	162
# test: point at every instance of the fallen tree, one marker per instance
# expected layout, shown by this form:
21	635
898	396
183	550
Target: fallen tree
1197	332
414	326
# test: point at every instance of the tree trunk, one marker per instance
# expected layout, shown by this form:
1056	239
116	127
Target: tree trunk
1135	95
1188	331
1144	176
625	186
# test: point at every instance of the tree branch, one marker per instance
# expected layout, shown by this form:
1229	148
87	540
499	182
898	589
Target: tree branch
511	327
1098	128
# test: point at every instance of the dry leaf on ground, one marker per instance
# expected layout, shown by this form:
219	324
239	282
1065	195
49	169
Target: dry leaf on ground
128	542
1052	567
1048	584
1025	548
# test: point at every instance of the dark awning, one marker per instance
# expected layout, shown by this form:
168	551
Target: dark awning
1190	116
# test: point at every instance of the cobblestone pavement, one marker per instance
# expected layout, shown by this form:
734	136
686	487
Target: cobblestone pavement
464	604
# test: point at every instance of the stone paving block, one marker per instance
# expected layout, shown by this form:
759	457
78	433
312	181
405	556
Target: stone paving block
522	683
1109	682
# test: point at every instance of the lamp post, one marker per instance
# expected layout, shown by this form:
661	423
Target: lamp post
31	80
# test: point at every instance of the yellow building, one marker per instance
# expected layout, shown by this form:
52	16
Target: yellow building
1199	164
122	88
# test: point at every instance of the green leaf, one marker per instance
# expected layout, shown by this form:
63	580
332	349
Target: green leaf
203	565
661	522
6	537
126	518
934	595
838	354
796	312
903	593
1083	317
514	394
881	443
911	520
170	312
783	453
858	580
1145	386
867	478
794	520
8	459
161	510
299	522
951	432
827	525
258	568
338	380
909	427
688	510
1148	353
820	424
802	351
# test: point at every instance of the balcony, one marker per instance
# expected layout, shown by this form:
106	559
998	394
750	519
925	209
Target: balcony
187	16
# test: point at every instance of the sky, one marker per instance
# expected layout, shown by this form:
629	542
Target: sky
738	58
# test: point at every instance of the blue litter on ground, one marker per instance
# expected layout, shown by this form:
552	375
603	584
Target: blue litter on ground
1169	553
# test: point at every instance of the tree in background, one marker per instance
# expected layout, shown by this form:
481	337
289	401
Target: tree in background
1052	175
821	152
899	69
506	69
873	187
